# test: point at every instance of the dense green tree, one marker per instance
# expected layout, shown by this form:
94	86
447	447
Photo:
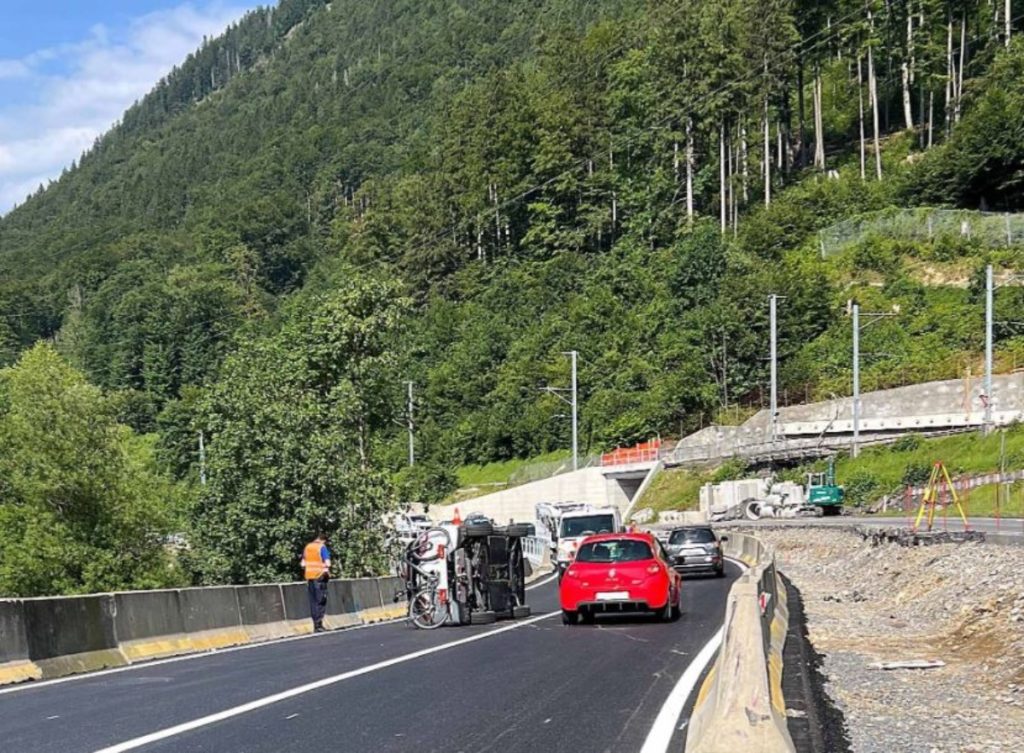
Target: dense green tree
630	179
82	504
292	428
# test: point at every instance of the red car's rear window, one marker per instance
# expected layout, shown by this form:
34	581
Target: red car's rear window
615	550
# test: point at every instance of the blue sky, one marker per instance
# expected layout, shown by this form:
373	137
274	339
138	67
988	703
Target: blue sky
70	68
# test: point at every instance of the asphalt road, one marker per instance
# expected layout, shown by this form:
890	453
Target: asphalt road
518	686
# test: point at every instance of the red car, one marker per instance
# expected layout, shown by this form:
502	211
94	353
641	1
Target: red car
620	572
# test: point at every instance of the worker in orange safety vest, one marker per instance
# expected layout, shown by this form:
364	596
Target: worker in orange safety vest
316	563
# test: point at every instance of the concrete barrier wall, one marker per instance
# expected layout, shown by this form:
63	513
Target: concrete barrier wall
296	607
149	624
741	706
15	665
261	612
72	634
390	588
54	636
212	618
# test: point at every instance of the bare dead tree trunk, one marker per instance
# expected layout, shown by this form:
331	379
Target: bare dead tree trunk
744	163
960	73
779	162
721	173
873	93
906	72
931	117
950	72
801	136
497	216
730	148
860	102
767	157
908	117
1008	20
819	127
689	170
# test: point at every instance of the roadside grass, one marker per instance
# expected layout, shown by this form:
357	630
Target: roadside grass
989	501
887	470
498	473
674	489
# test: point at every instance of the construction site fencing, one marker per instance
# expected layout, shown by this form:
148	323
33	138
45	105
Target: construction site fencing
538	471
993	230
909	497
644	452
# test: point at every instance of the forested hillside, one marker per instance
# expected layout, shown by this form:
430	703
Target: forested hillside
335	198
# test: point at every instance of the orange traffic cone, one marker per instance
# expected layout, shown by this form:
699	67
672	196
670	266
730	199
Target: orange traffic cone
457	520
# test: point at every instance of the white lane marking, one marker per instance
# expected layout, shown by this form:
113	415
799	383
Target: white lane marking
37	684
291	716
542	582
220	716
664	726
660	736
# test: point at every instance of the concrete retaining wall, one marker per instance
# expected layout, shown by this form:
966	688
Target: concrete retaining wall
740	706
50	637
519	502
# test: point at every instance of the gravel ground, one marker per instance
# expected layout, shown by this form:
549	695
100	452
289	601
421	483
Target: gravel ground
962	604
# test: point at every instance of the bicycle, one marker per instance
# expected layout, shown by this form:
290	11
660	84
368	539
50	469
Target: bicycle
428	605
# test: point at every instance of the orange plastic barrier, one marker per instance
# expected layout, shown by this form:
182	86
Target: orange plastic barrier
639	453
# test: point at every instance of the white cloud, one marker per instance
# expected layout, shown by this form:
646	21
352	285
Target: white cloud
13	69
79	90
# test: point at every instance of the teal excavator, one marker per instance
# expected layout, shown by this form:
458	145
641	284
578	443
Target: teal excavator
823	492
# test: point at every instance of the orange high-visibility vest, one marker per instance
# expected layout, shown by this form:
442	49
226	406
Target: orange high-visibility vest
311	560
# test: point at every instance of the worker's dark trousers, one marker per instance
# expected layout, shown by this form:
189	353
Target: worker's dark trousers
317	601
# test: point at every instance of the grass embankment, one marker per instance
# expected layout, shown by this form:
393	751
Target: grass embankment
984	502
679	488
888	470
477	480
499	473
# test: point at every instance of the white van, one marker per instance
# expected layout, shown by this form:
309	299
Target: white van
576	525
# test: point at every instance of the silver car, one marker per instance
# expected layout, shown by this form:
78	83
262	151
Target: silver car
696	549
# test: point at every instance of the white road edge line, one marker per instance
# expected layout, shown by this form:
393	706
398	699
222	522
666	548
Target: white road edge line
537	583
664	727
204	721
660	736
38	684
